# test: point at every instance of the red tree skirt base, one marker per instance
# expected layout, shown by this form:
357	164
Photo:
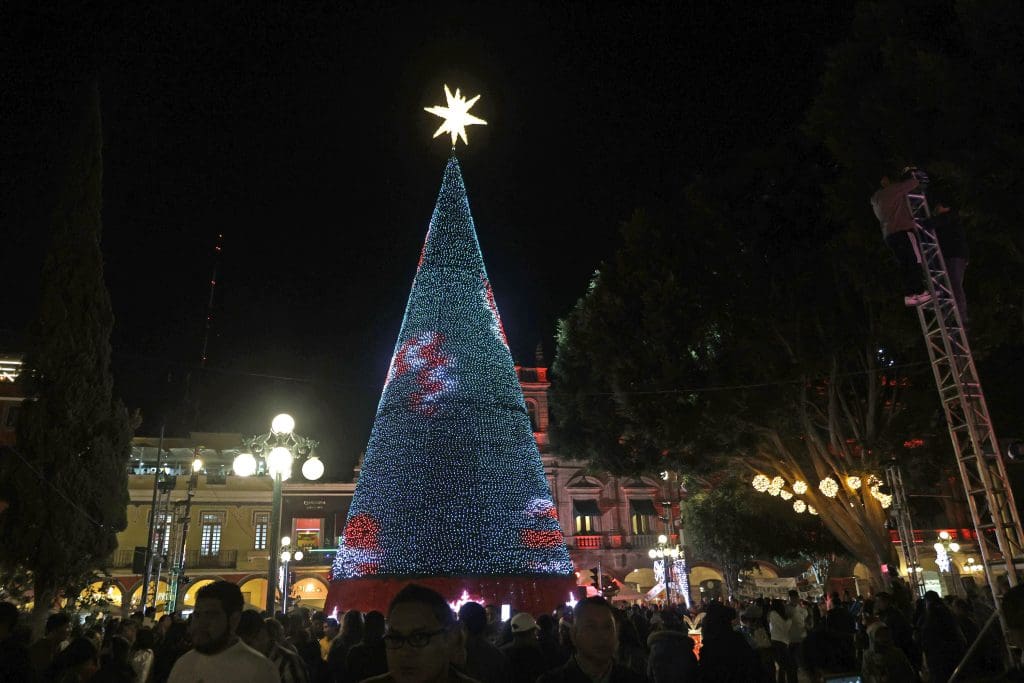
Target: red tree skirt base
533	594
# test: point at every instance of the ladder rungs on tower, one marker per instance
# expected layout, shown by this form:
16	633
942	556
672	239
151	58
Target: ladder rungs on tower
996	519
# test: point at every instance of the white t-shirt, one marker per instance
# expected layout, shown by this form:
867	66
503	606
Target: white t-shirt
798	626
237	663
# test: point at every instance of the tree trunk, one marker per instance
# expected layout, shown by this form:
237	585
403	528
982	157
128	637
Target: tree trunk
43	598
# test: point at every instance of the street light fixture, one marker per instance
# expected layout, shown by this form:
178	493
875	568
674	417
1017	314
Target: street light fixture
667	555
278	449
288	554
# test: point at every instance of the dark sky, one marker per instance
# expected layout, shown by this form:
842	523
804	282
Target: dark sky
297	131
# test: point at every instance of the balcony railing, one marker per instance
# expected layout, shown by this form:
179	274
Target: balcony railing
588	542
120	559
225	559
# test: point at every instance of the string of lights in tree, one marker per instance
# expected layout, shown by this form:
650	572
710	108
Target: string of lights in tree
828	486
452	483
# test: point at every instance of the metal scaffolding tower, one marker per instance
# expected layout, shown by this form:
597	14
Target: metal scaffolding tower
982	469
901	512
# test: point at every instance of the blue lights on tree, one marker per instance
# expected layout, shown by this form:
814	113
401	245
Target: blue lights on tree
452	484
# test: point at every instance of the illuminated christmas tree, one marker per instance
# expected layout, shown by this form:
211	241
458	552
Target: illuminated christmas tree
452	491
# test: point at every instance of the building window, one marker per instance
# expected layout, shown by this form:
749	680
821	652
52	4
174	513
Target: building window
641	515
308	532
531	410
11	419
209	542
586	514
162	532
260	523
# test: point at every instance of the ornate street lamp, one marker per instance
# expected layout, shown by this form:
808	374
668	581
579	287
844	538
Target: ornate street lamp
278	450
667	555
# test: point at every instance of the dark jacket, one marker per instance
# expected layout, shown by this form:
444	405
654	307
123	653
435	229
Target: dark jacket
526	661
949	231
671	658
725	657
366	660
570	672
484	662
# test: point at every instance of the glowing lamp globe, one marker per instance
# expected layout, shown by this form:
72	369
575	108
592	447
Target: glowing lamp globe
280	462
298	556
939	548
286	540
286	556
282	424
662	539
244	465
955	547
197	465
313	468
652	553
944	535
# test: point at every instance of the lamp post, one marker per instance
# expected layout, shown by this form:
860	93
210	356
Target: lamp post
944	548
667	555
278	449
288	553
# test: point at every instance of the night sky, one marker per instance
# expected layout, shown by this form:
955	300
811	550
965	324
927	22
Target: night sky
298	132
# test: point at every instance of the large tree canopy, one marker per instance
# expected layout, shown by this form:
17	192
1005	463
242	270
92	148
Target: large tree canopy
759	321
66	479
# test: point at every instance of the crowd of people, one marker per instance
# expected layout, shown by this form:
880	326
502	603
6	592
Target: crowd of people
884	638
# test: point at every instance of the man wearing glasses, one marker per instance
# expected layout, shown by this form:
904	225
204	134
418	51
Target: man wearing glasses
422	639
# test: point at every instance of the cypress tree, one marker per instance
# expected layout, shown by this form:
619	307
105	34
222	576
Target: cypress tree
66	479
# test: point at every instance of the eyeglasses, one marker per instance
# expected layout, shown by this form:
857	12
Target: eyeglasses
394	641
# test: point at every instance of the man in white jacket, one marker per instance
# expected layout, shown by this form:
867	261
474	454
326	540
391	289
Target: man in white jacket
798	616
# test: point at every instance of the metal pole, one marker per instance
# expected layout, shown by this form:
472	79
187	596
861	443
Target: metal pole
275	544
284	591
152	522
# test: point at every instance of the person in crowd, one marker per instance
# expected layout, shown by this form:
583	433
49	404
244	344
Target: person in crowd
350	635
162	626
175	643
779	627
827	655
423	637
77	663
839	621
331	631
218	654
595	638
484	661
142	654
368	657
900	630
941	640
725	656
525	657
317	629
117	667
882	661
42	652
495	630
547	636
671	658
631	653
15	663
255	632
798	622
753	629
900	233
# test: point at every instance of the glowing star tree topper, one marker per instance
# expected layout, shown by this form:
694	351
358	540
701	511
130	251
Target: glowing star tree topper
456	115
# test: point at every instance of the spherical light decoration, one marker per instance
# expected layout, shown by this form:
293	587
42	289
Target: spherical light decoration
663	539
197	465
286	556
799	487
799	505
279	460
785	495
452	484
313	468
774	490
778	482
286	540
829	487
298	556
938	547
944	535
761	483
282	424
652	553
812	510
885	500
244	465
954	547
853	482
